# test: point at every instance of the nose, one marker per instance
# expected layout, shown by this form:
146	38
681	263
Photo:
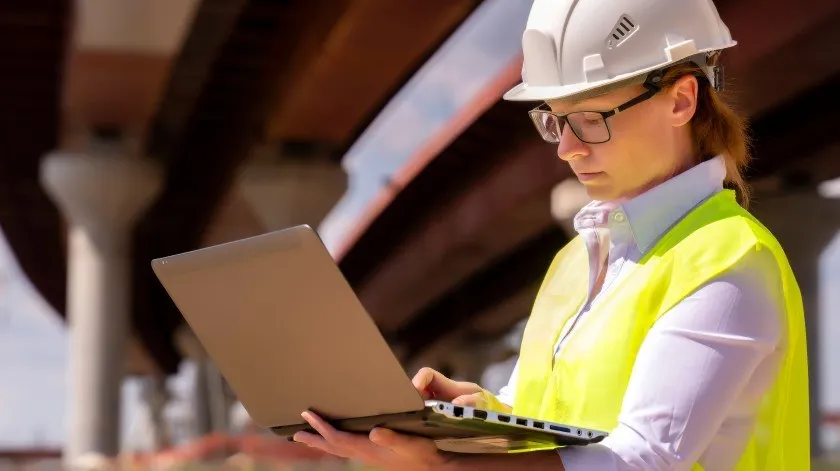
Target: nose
570	147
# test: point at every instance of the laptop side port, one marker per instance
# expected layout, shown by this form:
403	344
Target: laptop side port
522	422
480	414
458	411
558	428
504	418
539	425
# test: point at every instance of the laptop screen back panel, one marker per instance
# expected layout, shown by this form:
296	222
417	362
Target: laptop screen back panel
286	330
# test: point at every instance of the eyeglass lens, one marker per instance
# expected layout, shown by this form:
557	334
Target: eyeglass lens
588	126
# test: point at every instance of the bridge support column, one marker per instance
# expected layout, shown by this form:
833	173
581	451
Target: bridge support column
100	191
209	399
156	397
201	401
289	190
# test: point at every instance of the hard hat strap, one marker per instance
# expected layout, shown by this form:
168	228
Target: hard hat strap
707	62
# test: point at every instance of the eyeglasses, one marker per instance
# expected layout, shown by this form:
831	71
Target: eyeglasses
590	127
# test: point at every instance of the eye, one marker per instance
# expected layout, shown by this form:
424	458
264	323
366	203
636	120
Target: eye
589	119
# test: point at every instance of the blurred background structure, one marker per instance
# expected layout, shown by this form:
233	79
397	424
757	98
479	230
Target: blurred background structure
133	129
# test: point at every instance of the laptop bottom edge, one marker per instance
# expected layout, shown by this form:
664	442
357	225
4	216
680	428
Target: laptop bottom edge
454	434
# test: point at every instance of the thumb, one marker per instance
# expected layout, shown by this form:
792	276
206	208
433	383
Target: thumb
471	400
433	385
483	399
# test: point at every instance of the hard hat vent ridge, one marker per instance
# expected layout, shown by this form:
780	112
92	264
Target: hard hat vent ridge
624	28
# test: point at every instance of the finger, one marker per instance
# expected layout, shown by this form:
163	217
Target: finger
416	448
318	442
471	400
345	444
423	379
434	385
322	427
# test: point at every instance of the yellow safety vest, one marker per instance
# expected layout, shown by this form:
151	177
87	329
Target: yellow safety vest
586	384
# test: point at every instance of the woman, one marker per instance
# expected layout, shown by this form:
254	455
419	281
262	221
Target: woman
686	339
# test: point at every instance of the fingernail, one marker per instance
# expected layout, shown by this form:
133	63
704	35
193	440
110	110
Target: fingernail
378	435
300	437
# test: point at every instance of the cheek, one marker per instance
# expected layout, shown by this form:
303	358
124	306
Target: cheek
635	131
618	157
635	147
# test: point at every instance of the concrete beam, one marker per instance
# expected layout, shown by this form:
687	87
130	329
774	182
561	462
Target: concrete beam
156	26
783	48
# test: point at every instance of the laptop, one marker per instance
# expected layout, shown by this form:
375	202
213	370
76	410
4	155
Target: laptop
288	333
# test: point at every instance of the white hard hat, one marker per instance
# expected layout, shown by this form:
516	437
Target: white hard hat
577	48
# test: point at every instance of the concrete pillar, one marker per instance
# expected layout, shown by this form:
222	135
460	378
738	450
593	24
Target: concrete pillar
191	348
100	191
156	397
202	405
222	399
288	191
212	389
211	399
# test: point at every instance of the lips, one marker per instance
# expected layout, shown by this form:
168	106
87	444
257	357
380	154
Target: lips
585	176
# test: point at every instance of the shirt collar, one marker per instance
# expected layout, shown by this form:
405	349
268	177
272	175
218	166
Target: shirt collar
650	214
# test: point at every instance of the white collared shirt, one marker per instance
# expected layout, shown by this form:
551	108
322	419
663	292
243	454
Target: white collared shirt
703	367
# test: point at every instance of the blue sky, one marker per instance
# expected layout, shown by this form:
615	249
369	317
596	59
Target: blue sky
478	52
33	339
33	346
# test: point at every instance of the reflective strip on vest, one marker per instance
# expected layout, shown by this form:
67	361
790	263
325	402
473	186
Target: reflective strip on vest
587	382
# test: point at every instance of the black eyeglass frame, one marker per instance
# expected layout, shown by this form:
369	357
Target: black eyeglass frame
651	84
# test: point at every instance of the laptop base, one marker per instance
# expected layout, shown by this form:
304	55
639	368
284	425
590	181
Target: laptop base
475	431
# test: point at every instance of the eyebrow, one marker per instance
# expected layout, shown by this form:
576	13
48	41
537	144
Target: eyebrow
568	102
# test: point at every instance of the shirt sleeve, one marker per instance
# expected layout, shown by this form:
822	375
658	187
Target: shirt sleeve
713	353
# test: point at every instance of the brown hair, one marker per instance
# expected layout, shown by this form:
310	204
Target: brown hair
716	128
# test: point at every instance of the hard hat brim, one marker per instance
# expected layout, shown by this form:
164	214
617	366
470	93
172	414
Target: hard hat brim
579	91
525	92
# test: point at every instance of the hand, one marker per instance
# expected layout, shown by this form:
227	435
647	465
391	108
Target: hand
433	385
382	448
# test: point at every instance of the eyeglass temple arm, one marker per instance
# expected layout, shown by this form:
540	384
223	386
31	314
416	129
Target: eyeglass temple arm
635	101
652	84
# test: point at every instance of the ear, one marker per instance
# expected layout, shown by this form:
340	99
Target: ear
683	95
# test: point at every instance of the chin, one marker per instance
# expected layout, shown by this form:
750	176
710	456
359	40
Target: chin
601	192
